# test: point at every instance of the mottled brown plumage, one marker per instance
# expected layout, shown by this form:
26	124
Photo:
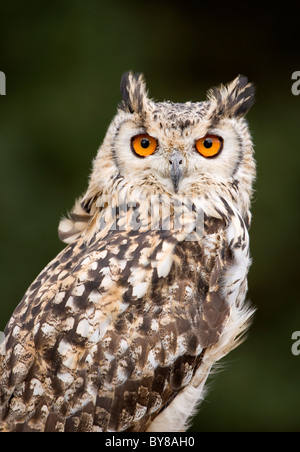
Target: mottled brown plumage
119	331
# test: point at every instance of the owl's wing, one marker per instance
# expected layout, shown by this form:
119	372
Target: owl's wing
111	332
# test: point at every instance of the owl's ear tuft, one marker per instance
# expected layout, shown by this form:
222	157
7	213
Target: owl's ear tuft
232	100
133	92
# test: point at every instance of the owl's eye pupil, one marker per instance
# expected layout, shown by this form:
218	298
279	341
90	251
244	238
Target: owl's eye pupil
145	143
207	143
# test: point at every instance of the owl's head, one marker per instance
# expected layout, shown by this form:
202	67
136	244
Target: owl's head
178	149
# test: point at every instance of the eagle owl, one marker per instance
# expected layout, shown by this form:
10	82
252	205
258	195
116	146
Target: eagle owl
120	331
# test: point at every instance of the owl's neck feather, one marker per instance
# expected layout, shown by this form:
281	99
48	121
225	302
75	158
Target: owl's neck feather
130	208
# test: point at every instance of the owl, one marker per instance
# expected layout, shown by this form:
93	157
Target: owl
120	331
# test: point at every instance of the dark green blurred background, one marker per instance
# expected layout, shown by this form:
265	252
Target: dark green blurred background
63	61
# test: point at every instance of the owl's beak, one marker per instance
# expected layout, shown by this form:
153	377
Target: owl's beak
176	164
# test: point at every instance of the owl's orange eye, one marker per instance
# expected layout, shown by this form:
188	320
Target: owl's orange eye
144	145
209	146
